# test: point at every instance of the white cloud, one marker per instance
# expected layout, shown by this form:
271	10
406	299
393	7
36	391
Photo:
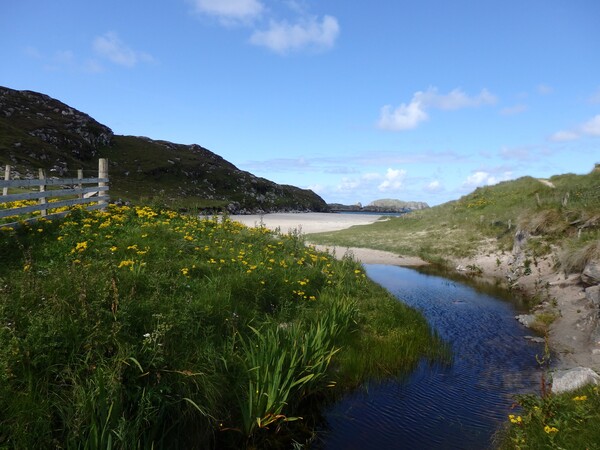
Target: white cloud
564	135
348	185
434	186
455	99
110	46
589	128
409	116
544	89
393	180
592	126
282	36
404	117
482	178
230	10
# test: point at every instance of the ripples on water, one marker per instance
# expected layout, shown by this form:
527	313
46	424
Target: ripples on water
454	406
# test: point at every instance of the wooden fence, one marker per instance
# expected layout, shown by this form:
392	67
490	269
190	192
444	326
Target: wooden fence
72	191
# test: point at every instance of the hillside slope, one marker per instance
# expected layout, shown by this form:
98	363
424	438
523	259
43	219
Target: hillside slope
37	131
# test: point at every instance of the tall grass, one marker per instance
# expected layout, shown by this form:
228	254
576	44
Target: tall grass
282	362
142	328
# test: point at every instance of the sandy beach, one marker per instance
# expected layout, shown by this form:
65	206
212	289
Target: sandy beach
307	223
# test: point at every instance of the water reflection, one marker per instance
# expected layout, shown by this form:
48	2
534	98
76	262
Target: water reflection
455	406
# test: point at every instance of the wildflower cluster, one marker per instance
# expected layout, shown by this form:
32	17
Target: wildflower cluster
557	421
24	203
139	322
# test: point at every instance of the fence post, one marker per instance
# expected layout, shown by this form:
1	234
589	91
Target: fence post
43	212
102	173
6	178
80	177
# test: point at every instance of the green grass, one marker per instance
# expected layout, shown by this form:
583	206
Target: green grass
550	421
567	216
140	328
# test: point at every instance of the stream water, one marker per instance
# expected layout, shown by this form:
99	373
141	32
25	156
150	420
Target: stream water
455	406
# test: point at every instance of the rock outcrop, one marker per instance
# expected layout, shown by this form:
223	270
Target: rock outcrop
381	206
591	273
573	379
41	132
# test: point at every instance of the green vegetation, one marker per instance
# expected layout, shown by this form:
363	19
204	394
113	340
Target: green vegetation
565	215
143	328
548	421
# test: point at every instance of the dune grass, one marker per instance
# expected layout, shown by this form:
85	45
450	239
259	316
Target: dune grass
143	328
565	214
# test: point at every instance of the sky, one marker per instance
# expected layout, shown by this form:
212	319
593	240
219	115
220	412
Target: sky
420	100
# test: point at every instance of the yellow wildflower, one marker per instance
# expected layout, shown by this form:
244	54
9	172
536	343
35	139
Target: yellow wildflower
126	263
548	429
580	398
515	419
80	247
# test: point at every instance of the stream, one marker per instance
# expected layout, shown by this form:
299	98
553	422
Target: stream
454	406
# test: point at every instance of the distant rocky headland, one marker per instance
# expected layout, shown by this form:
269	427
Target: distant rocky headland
386	205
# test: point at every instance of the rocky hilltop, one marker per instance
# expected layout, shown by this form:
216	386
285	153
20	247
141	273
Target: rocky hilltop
38	131
381	206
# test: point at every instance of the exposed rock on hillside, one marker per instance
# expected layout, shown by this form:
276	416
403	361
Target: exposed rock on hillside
37	131
381	206
37	128
397	205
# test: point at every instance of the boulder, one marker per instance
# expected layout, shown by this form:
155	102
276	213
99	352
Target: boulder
592	293
591	273
572	379
526	319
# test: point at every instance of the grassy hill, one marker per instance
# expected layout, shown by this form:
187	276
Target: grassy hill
562	213
37	131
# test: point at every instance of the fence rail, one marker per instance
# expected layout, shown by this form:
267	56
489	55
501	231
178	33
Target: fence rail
95	196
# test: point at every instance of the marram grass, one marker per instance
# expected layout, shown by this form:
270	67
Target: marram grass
142	328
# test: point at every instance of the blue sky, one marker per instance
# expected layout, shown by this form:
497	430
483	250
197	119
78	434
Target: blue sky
416	100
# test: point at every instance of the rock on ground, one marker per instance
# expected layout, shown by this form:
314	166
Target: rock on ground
572	379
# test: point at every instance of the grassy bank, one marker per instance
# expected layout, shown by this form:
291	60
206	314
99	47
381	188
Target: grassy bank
563	212
138	328
565	421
